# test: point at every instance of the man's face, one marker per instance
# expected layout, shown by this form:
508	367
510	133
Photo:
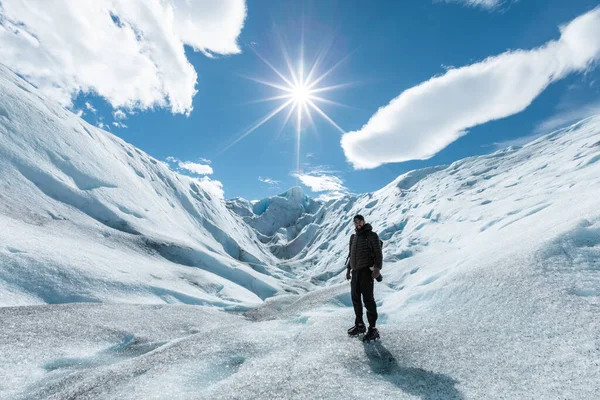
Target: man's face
359	223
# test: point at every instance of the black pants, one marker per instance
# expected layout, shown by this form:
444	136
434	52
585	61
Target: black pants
362	283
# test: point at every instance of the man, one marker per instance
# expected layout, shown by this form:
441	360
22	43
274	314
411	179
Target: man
365	253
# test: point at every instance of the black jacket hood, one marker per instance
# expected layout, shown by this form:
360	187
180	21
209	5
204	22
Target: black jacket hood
365	228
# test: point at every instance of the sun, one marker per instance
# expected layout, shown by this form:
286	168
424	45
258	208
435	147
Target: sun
299	93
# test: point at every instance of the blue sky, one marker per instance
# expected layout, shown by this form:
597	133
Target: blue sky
386	48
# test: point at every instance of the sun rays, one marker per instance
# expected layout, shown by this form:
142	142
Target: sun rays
298	94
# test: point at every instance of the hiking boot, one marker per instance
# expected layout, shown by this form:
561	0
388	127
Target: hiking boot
357	329
372	334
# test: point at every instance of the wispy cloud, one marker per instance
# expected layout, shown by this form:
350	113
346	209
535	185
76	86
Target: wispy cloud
119	125
212	186
269	181
330	196
90	107
119	115
567	117
322	183
487	4
131	52
322	180
425	119
195	168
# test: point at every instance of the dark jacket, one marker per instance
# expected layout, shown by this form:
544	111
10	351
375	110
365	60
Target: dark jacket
365	249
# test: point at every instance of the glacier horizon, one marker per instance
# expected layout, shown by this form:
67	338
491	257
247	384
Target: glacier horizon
120	278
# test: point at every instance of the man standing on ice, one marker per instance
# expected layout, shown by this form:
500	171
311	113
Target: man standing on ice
365	254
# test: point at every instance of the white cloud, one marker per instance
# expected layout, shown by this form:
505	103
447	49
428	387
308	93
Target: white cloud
425	119
131	52
204	160
119	125
90	107
79	113
212	186
487	4
567	117
199	169
323	181
269	181
325	197
119	115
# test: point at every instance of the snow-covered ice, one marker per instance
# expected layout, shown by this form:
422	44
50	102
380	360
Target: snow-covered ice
121	279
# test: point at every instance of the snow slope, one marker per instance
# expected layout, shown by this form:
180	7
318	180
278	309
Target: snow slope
491	283
525	196
86	217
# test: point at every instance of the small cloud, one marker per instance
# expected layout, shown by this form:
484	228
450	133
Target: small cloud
79	113
199	169
211	186
90	107
189	166
310	155
103	126
321	183
486	4
119	115
318	169
269	181
325	197
119	124
322	180
204	160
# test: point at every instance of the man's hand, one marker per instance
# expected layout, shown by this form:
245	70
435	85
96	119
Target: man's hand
375	273
348	274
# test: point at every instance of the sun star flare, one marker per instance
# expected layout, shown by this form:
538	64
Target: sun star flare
297	94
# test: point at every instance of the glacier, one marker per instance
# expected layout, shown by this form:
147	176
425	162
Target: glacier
122	279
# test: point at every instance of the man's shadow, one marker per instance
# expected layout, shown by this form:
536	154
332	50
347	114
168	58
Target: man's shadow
416	381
